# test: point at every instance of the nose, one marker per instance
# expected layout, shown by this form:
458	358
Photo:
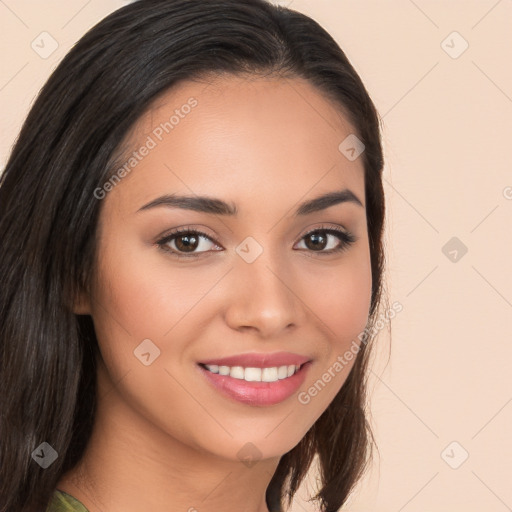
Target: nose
264	297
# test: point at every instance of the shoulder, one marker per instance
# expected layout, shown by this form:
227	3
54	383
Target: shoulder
64	502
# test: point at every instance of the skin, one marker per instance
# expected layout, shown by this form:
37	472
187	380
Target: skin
164	438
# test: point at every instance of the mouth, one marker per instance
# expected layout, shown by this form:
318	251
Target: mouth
255	386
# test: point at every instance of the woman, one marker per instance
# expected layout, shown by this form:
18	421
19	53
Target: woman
192	262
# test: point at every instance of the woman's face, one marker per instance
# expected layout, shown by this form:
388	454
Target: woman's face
252	283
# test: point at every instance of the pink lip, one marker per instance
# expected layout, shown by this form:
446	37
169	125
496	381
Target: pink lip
260	360
256	393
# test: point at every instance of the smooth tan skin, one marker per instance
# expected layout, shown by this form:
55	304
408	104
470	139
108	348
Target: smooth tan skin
164	439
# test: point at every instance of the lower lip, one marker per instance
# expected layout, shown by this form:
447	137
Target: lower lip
257	393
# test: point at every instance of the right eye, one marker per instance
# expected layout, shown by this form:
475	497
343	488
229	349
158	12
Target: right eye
184	242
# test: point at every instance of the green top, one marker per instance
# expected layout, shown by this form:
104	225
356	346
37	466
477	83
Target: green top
64	502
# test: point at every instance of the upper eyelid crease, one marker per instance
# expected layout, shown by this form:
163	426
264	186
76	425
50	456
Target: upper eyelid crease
216	206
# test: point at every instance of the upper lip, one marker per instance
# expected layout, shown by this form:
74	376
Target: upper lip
260	360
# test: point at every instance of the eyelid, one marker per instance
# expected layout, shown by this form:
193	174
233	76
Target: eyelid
326	227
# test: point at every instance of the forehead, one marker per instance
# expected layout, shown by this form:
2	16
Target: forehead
234	136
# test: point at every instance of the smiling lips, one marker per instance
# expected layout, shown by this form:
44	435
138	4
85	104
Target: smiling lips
257	367
257	378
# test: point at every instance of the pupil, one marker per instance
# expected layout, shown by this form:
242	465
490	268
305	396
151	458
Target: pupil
187	244
315	237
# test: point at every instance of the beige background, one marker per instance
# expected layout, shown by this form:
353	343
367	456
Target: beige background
447	129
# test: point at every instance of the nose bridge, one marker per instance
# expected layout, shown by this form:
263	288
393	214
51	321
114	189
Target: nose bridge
264	297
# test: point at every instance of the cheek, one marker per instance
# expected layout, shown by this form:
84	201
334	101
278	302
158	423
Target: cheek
141	295
341	302
353	303
340	298
343	307
145	294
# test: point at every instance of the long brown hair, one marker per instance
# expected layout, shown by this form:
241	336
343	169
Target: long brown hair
48	224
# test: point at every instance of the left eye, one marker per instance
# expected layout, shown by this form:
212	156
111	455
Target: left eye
320	238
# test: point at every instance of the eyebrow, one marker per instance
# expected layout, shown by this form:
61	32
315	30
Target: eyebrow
216	206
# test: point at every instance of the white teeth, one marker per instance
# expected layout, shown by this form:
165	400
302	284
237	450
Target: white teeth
252	374
269	374
223	370
237	372
282	372
255	374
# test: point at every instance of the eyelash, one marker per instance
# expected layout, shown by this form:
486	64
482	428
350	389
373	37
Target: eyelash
346	239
